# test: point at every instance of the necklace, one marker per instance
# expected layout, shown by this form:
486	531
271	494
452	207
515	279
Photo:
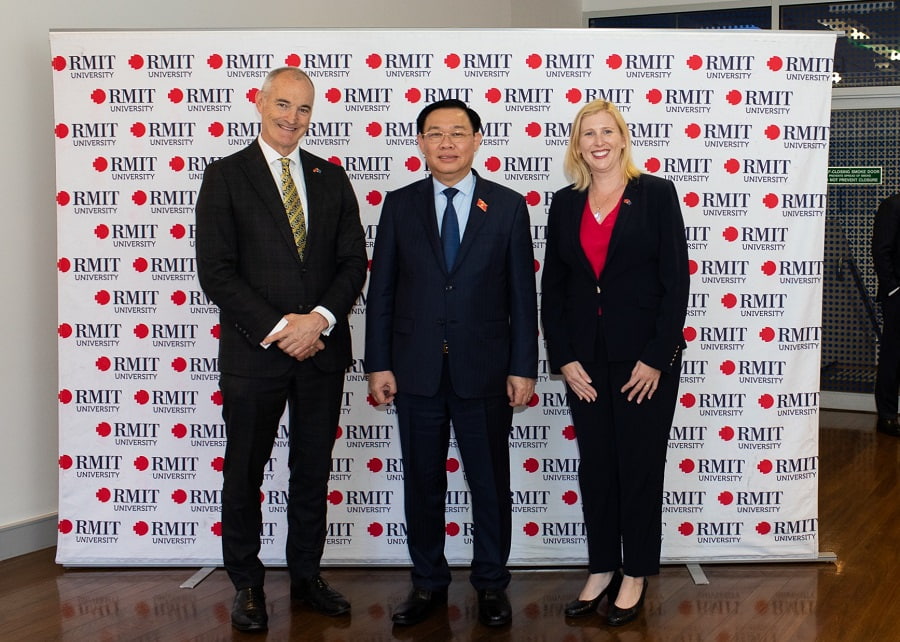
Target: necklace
606	204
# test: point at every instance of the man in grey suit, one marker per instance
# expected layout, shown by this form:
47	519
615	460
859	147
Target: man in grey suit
281	252
451	335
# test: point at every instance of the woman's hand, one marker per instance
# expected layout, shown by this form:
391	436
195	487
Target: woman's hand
643	382
579	381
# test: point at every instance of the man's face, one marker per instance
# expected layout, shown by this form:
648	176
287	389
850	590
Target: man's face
285	109
449	144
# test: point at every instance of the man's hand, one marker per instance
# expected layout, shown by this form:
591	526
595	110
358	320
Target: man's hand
382	386
300	337
519	390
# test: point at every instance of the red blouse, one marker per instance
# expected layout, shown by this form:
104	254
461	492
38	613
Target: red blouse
595	237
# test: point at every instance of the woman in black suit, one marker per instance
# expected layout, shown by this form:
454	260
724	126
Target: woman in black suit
614	297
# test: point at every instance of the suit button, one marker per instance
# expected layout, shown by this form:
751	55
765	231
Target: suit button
448	287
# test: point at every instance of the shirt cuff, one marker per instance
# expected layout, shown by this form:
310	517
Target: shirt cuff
278	326
325	312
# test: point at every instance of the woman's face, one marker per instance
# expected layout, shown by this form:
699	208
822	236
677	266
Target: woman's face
600	143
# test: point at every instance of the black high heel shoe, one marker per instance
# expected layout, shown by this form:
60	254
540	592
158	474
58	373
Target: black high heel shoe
580	608
618	616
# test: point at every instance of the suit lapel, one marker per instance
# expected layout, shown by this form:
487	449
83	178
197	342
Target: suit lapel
313	180
575	231
260	178
626	216
478	213
428	218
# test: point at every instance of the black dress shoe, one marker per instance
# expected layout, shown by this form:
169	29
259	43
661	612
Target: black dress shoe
494	608
420	604
249	610
316	594
580	608
888	426
618	616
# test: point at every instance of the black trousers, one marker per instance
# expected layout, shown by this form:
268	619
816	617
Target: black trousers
252	408
481	427
887	376
622	446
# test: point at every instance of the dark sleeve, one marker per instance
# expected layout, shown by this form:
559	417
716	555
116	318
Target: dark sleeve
350	259
884	243
554	279
663	350
380	298
522	296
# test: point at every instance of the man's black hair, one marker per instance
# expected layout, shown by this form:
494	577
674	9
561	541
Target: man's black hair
449	103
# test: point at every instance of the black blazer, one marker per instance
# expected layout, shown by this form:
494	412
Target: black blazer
485	307
643	290
886	245
248	265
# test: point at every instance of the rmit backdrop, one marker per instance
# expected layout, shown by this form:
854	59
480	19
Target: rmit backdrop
739	121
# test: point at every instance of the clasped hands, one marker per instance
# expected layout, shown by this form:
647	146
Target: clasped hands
300	338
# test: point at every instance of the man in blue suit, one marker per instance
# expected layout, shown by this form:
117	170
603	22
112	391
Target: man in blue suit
451	336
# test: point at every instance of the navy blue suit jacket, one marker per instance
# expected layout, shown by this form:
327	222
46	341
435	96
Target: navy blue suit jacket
643	290
485	308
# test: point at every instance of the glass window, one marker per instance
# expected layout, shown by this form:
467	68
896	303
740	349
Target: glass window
748	18
868	52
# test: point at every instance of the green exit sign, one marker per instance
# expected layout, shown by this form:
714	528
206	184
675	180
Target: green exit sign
854	175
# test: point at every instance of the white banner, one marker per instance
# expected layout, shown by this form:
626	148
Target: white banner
739	121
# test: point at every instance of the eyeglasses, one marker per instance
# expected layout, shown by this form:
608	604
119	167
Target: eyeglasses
436	138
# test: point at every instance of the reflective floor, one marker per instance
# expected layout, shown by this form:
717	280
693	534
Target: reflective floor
854	598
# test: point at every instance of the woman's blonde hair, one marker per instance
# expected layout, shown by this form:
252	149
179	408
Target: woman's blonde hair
575	167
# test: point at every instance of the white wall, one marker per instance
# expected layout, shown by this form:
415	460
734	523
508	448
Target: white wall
28	277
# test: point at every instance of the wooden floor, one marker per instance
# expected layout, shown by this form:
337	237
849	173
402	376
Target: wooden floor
855	599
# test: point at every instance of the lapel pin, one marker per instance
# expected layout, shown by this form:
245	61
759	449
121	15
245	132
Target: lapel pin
627	201
481	205
316	170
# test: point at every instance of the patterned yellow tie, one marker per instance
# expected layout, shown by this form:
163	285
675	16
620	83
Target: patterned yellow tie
293	206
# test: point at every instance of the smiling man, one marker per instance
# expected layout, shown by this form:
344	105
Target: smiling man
451	336
281	251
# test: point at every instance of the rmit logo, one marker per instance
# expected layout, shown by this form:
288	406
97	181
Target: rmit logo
131	96
93	130
96	330
326	61
95	198
774	98
729	63
684	497
530	497
207	431
640	131
688	433
139	429
173	330
170	61
173	464
339	529
333	129
97	62
96	527
242	130
497	129
135	231
617	96
529	432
